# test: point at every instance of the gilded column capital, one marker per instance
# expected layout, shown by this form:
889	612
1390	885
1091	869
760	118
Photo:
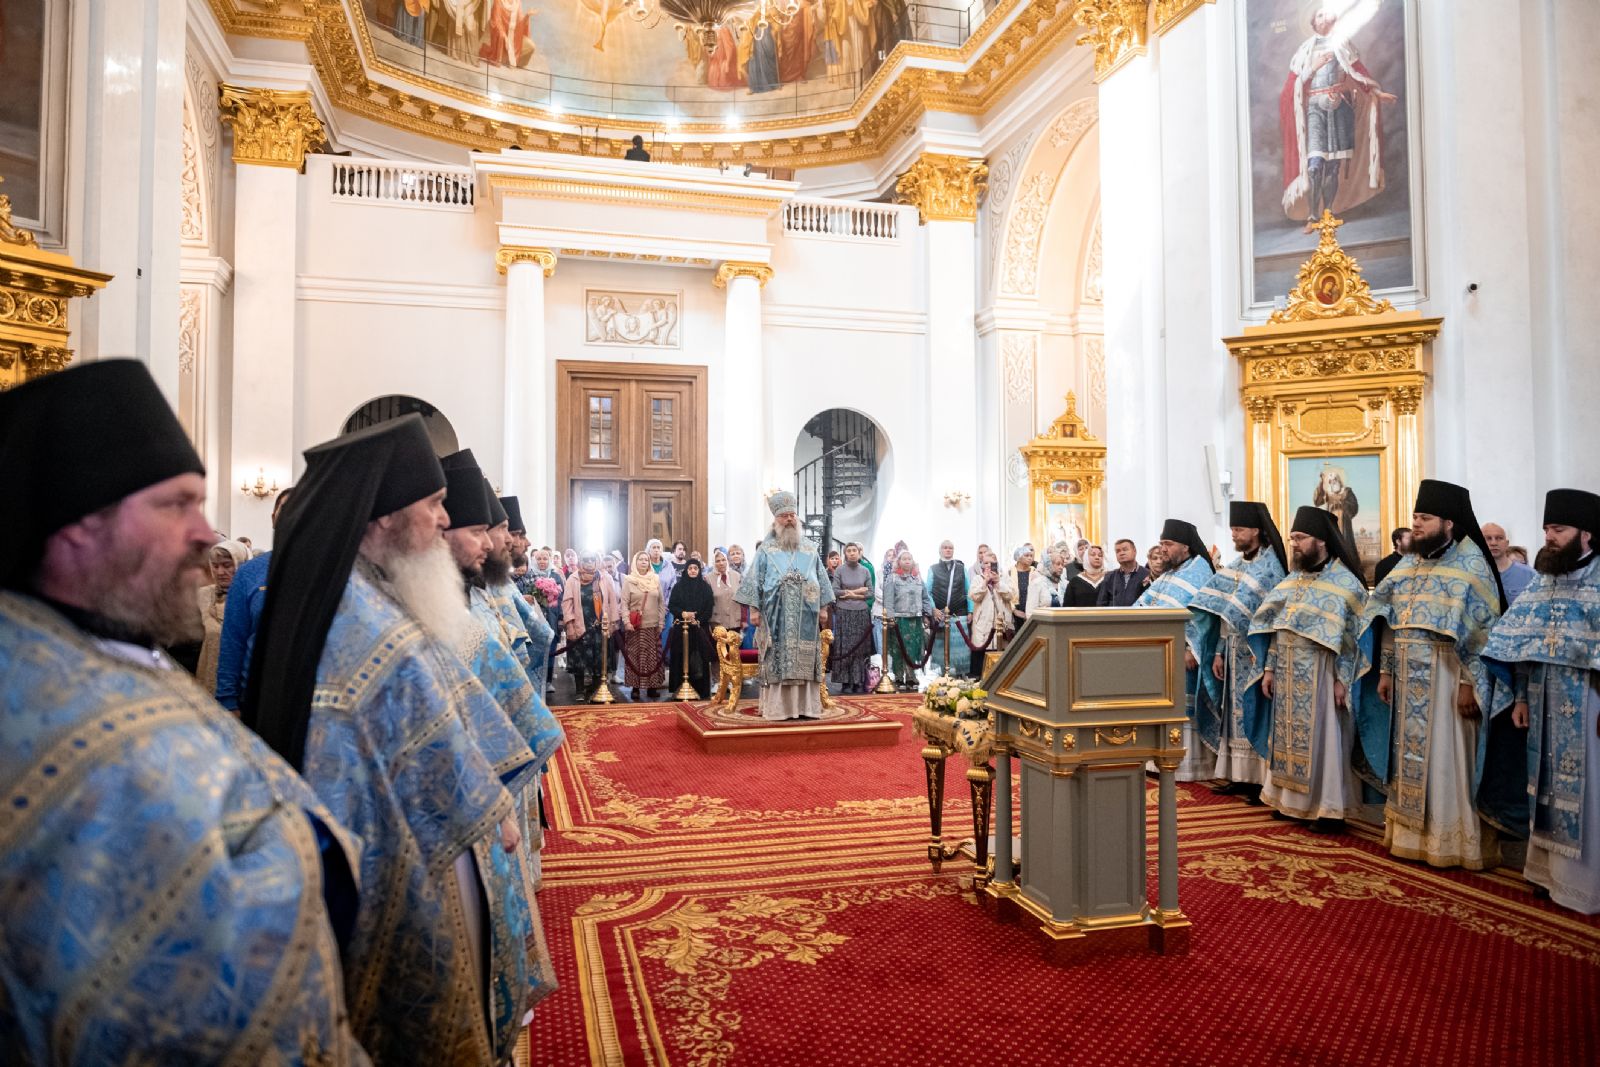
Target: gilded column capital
1260	408
1407	399
942	187
509	254
271	127
1117	29
734	268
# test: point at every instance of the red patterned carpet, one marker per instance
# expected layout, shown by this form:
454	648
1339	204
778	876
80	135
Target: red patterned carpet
774	908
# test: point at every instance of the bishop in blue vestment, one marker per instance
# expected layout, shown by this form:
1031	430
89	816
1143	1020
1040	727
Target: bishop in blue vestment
787	582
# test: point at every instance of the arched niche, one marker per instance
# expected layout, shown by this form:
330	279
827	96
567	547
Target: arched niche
842	464
393	406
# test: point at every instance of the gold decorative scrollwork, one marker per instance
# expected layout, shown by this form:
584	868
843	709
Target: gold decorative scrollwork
943	187
35	289
1115	737
1175	736
1066	467
1407	399
1069	741
271	127
12	234
1117	29
542	257
1029	729
1330	284
1168	13
733	268
1260	408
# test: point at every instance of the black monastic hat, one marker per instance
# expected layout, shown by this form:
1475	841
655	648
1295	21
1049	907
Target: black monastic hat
466	499
1450	501
1573	507
497	510
1185	533
76	441
513	514
1253	515
349	482
1319	523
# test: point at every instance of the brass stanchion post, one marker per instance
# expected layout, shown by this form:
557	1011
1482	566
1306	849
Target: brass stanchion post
602	694
686	691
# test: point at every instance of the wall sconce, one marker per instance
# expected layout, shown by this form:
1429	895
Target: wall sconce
260	489
956	500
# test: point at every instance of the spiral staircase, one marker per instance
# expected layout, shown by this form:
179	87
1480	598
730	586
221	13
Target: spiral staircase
846	471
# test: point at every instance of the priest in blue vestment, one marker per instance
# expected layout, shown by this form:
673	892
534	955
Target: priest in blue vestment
1428	622
1304	651
1188	568
1549	642
357	680
1219	631
174	893
786	586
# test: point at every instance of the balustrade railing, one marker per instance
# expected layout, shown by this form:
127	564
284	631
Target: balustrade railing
839	218
412	184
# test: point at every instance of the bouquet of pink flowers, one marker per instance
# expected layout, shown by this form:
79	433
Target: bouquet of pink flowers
547	592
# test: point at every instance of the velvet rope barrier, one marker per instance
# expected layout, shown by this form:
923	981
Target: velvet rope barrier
622	647
906	656
833	653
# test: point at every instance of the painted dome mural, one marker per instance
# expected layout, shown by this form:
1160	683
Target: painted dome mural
661	60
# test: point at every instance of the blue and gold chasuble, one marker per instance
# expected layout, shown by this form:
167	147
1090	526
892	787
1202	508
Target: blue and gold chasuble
1452	599
1219	616
1547	647
408	750
1176	589
161	869
528	623
790	589
521	965
1306	613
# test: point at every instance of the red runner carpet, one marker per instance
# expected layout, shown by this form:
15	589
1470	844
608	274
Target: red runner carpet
777	908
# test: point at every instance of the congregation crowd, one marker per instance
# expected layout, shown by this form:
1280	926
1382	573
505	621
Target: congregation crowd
328	848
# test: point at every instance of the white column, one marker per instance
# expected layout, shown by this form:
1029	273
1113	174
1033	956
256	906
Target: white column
950	448
126	149
529	464
264	255
748	452
1130	221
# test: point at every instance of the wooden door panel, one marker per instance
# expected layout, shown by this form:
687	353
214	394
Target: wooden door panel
662	419
662	509
599	427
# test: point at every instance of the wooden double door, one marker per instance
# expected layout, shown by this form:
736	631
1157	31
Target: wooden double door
631	457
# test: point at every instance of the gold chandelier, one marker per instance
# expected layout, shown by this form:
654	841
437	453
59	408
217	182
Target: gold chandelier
704	17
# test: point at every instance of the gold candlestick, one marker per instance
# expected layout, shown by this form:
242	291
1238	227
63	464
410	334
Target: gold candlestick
602	693
686	691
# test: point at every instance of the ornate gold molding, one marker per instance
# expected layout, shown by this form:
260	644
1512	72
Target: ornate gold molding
271	127
509	254
943	187
1118	30
1012	39
732	268
1336	382
36	288
1330	284
1166	14
1066	466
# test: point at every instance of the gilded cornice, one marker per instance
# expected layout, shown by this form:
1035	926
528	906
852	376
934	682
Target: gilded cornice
733	268
1117	29
1166	14
508	255
271	127
943	187
1010	42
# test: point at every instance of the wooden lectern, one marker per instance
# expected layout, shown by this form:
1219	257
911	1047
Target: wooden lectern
1084	697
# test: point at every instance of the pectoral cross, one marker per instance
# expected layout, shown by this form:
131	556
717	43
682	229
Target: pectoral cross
1552	638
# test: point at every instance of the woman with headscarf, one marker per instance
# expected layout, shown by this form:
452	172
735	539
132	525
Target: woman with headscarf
991	613
693	605
225	559
726	612
589	605
906	603
642	615
852	622
1084	589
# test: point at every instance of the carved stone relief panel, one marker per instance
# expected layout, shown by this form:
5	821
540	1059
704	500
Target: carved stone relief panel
629	319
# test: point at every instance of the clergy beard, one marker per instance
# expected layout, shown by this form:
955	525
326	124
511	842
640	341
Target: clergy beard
788	537
1559	560
1427	546
428	586
1308	561
159	608
497	567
